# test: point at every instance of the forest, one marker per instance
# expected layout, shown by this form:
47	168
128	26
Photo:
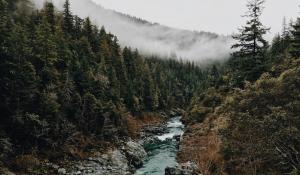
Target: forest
249	116
61	77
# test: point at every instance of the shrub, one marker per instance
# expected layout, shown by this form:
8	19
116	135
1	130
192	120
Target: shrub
198	113
26	163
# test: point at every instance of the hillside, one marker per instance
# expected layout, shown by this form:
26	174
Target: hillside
153	38
69	90
78	98
246	120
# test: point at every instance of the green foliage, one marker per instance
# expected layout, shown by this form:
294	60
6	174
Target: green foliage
67	22
248	62
250	40
264	126
60	74
254	101
198	113
295	46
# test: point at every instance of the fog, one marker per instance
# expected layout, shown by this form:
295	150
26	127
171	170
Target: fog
153	39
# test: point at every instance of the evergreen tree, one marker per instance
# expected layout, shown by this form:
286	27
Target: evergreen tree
249	59
61	78
45	53
295	46
286	35
215	76
150	94
78	27
49	15
119	66
91	120
87	29
277	45
250	40
64	53
5	26
67	22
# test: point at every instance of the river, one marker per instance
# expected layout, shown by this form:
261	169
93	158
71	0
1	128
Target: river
162	154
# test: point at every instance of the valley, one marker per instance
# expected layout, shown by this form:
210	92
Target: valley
89	91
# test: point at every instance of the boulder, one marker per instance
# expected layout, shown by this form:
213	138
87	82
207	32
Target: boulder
163	115
61	171
149	140
175	112
119	160
177	137
172	171
5	171
114	162
188	168
135	153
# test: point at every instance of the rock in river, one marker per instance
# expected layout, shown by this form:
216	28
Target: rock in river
188	168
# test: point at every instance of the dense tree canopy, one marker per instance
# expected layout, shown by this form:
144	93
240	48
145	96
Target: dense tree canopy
251	104
60	74
295	47
63	76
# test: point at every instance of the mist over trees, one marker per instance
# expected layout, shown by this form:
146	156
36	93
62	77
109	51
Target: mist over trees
152	38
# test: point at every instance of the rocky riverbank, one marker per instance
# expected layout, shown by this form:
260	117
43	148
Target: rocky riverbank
201	144
120	160
128	155
186	165
188	168
162	145
124	158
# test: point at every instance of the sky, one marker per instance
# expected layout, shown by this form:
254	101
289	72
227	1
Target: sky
219	16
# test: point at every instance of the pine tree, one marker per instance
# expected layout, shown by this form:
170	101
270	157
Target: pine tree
5	26
214	76
49	15
84	74
57	79
67	22
87	29
45	53
64	53
18	73
295	46
119	65
150	94
250	40
277	45
248	61
91	32
91	120
78	27
4	69
285	36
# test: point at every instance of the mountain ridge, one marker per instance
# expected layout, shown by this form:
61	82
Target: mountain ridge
153	38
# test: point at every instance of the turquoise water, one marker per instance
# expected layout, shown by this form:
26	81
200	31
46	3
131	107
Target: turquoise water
163	153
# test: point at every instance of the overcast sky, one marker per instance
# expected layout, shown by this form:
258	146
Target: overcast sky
220	16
